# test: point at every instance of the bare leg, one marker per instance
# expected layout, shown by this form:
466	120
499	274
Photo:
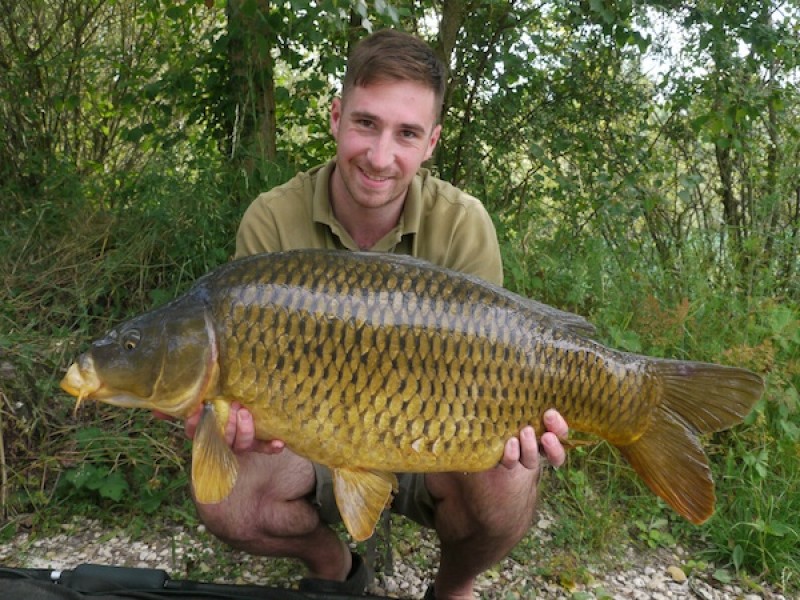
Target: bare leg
268	514
479	518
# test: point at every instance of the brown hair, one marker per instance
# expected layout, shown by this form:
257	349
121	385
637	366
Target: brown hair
391	55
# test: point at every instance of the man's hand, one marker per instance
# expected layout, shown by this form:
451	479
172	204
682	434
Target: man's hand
524	450
240	432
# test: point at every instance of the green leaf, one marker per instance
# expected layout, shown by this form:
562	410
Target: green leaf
113	486
150	502
72	102
778	529
159	297
88	436
738	556
723	576
791	430
133	134
697	124
81	476
176	12
625	340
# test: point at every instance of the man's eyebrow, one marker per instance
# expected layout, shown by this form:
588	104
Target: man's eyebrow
419	129
362	114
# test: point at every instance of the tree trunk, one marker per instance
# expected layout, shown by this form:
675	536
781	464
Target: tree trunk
252	84
453	12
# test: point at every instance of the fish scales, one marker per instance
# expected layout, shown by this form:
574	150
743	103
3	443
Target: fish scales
375	364
436	325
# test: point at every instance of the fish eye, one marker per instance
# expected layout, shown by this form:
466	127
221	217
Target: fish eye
130	339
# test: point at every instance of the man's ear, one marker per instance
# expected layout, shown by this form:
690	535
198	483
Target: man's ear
336	117
432	141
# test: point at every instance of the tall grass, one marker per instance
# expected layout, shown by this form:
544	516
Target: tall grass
73	267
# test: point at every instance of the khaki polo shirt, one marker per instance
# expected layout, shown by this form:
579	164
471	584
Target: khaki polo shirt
439	223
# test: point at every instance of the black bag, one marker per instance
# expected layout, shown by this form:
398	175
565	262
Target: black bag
100	582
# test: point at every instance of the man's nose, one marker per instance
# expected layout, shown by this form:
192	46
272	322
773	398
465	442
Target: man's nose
381	152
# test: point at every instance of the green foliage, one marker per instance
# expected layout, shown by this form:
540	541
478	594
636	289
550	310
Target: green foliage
756	529
123	466
73	271
655	533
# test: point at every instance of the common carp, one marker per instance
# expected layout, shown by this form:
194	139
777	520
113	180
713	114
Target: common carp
375	364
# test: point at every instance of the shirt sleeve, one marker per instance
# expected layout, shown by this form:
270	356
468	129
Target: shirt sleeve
258	230
456	231
474	248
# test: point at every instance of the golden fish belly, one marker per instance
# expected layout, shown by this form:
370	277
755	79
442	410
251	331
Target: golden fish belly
402	374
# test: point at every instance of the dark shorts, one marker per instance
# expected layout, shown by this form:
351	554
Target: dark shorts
413	500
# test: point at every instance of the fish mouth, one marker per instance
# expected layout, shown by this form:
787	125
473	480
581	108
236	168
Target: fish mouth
81	380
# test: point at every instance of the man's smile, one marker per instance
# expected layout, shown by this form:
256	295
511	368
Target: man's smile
374	177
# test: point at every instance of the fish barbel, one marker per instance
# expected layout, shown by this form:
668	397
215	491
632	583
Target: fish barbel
374	364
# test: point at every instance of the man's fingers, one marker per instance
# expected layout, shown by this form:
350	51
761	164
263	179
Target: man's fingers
511	453
190	425
529	448
555	423
270	447
244	430
552	449
522	450
240	432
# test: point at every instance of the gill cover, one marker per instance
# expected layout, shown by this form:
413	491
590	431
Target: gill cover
165	359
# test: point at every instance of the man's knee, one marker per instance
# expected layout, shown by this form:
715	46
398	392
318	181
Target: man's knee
269	500
506	522
480	505
265	528
223	522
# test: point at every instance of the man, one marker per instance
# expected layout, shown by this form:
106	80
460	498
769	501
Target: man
374	196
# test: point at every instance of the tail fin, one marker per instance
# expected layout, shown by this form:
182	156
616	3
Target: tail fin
697	398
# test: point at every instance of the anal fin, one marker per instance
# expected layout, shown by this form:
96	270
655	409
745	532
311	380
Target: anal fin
361	497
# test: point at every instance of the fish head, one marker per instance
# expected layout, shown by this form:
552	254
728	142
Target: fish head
163	360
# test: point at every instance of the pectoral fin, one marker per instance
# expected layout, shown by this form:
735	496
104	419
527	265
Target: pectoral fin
361	497
214	465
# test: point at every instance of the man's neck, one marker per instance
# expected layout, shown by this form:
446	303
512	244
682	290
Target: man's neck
368	227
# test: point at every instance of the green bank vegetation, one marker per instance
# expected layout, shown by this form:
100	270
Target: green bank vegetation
642	163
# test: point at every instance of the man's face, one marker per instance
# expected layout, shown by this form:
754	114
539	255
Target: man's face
383	132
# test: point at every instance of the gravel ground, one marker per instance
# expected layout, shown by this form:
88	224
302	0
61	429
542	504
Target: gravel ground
194	554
